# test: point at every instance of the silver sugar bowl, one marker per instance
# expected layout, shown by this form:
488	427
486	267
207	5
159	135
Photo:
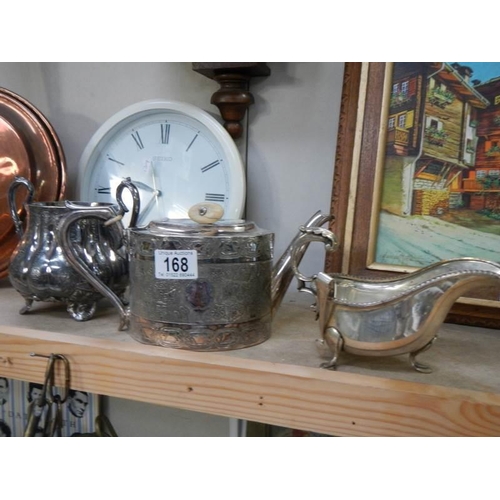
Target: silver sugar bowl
39	269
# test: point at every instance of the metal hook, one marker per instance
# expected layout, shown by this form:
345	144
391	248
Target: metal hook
36	408
49	377
67	379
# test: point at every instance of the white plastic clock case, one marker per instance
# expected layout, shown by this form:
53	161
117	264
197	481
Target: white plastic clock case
120	120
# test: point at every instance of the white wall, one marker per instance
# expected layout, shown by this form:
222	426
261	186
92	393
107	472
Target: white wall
292	130
291	149
26	80
81	96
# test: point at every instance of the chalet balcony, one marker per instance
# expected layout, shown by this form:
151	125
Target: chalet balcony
435	136
398	136
481	185
399	98
402	100
489	124
493	151
398	140
440	98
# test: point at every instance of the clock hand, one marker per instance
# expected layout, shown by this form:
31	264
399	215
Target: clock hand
141	185
153	174
155	185
149	206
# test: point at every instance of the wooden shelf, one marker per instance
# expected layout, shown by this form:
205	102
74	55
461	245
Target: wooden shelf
277	382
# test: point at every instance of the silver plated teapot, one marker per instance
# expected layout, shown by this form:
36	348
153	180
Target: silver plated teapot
204	286
387	317
39	269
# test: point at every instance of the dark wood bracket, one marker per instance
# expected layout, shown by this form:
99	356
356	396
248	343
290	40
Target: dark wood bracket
233	98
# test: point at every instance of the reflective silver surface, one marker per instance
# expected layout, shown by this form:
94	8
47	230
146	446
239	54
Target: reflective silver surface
232	302
229	304
283	271
39	269
390	317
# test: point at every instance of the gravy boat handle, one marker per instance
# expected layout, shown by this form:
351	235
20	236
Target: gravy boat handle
309	235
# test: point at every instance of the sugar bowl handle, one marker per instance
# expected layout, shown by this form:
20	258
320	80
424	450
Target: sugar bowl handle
19	181
109	215
136	200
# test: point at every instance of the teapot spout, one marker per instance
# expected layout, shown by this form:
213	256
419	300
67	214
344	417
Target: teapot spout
283	270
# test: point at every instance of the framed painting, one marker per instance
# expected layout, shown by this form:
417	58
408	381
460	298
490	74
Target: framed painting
417	173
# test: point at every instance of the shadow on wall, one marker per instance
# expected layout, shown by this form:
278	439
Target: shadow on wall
82	96
73	129
280	77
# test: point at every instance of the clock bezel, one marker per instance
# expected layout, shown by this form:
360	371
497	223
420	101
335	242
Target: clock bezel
114	124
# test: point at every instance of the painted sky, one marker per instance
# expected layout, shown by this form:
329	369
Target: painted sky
483	71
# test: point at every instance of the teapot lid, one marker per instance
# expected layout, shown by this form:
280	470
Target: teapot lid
205	220
191	228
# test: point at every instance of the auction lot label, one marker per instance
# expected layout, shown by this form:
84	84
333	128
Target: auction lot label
176	264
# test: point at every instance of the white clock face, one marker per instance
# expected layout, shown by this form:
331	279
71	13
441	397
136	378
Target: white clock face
176	155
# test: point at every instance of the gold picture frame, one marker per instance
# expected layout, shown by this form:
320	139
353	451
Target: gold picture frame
358	184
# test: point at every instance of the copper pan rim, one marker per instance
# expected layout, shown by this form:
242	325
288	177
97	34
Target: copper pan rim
47	164
52	134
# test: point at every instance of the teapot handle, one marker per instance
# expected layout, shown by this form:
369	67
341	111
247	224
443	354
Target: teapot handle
109	216
310	234
136	200
19	181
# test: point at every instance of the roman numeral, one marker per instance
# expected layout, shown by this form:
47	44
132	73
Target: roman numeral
210	165
103	190
137	139
215	197
165	133
191	143
116	161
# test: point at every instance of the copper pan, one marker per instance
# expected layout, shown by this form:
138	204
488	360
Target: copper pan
42	163
53	135
14	161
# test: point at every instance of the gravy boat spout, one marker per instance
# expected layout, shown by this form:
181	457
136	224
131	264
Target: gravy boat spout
391	316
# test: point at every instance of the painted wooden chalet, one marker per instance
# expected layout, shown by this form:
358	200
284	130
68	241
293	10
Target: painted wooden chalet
432	137
481	189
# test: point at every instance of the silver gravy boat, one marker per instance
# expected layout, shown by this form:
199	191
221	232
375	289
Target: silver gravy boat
39	270
388	317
